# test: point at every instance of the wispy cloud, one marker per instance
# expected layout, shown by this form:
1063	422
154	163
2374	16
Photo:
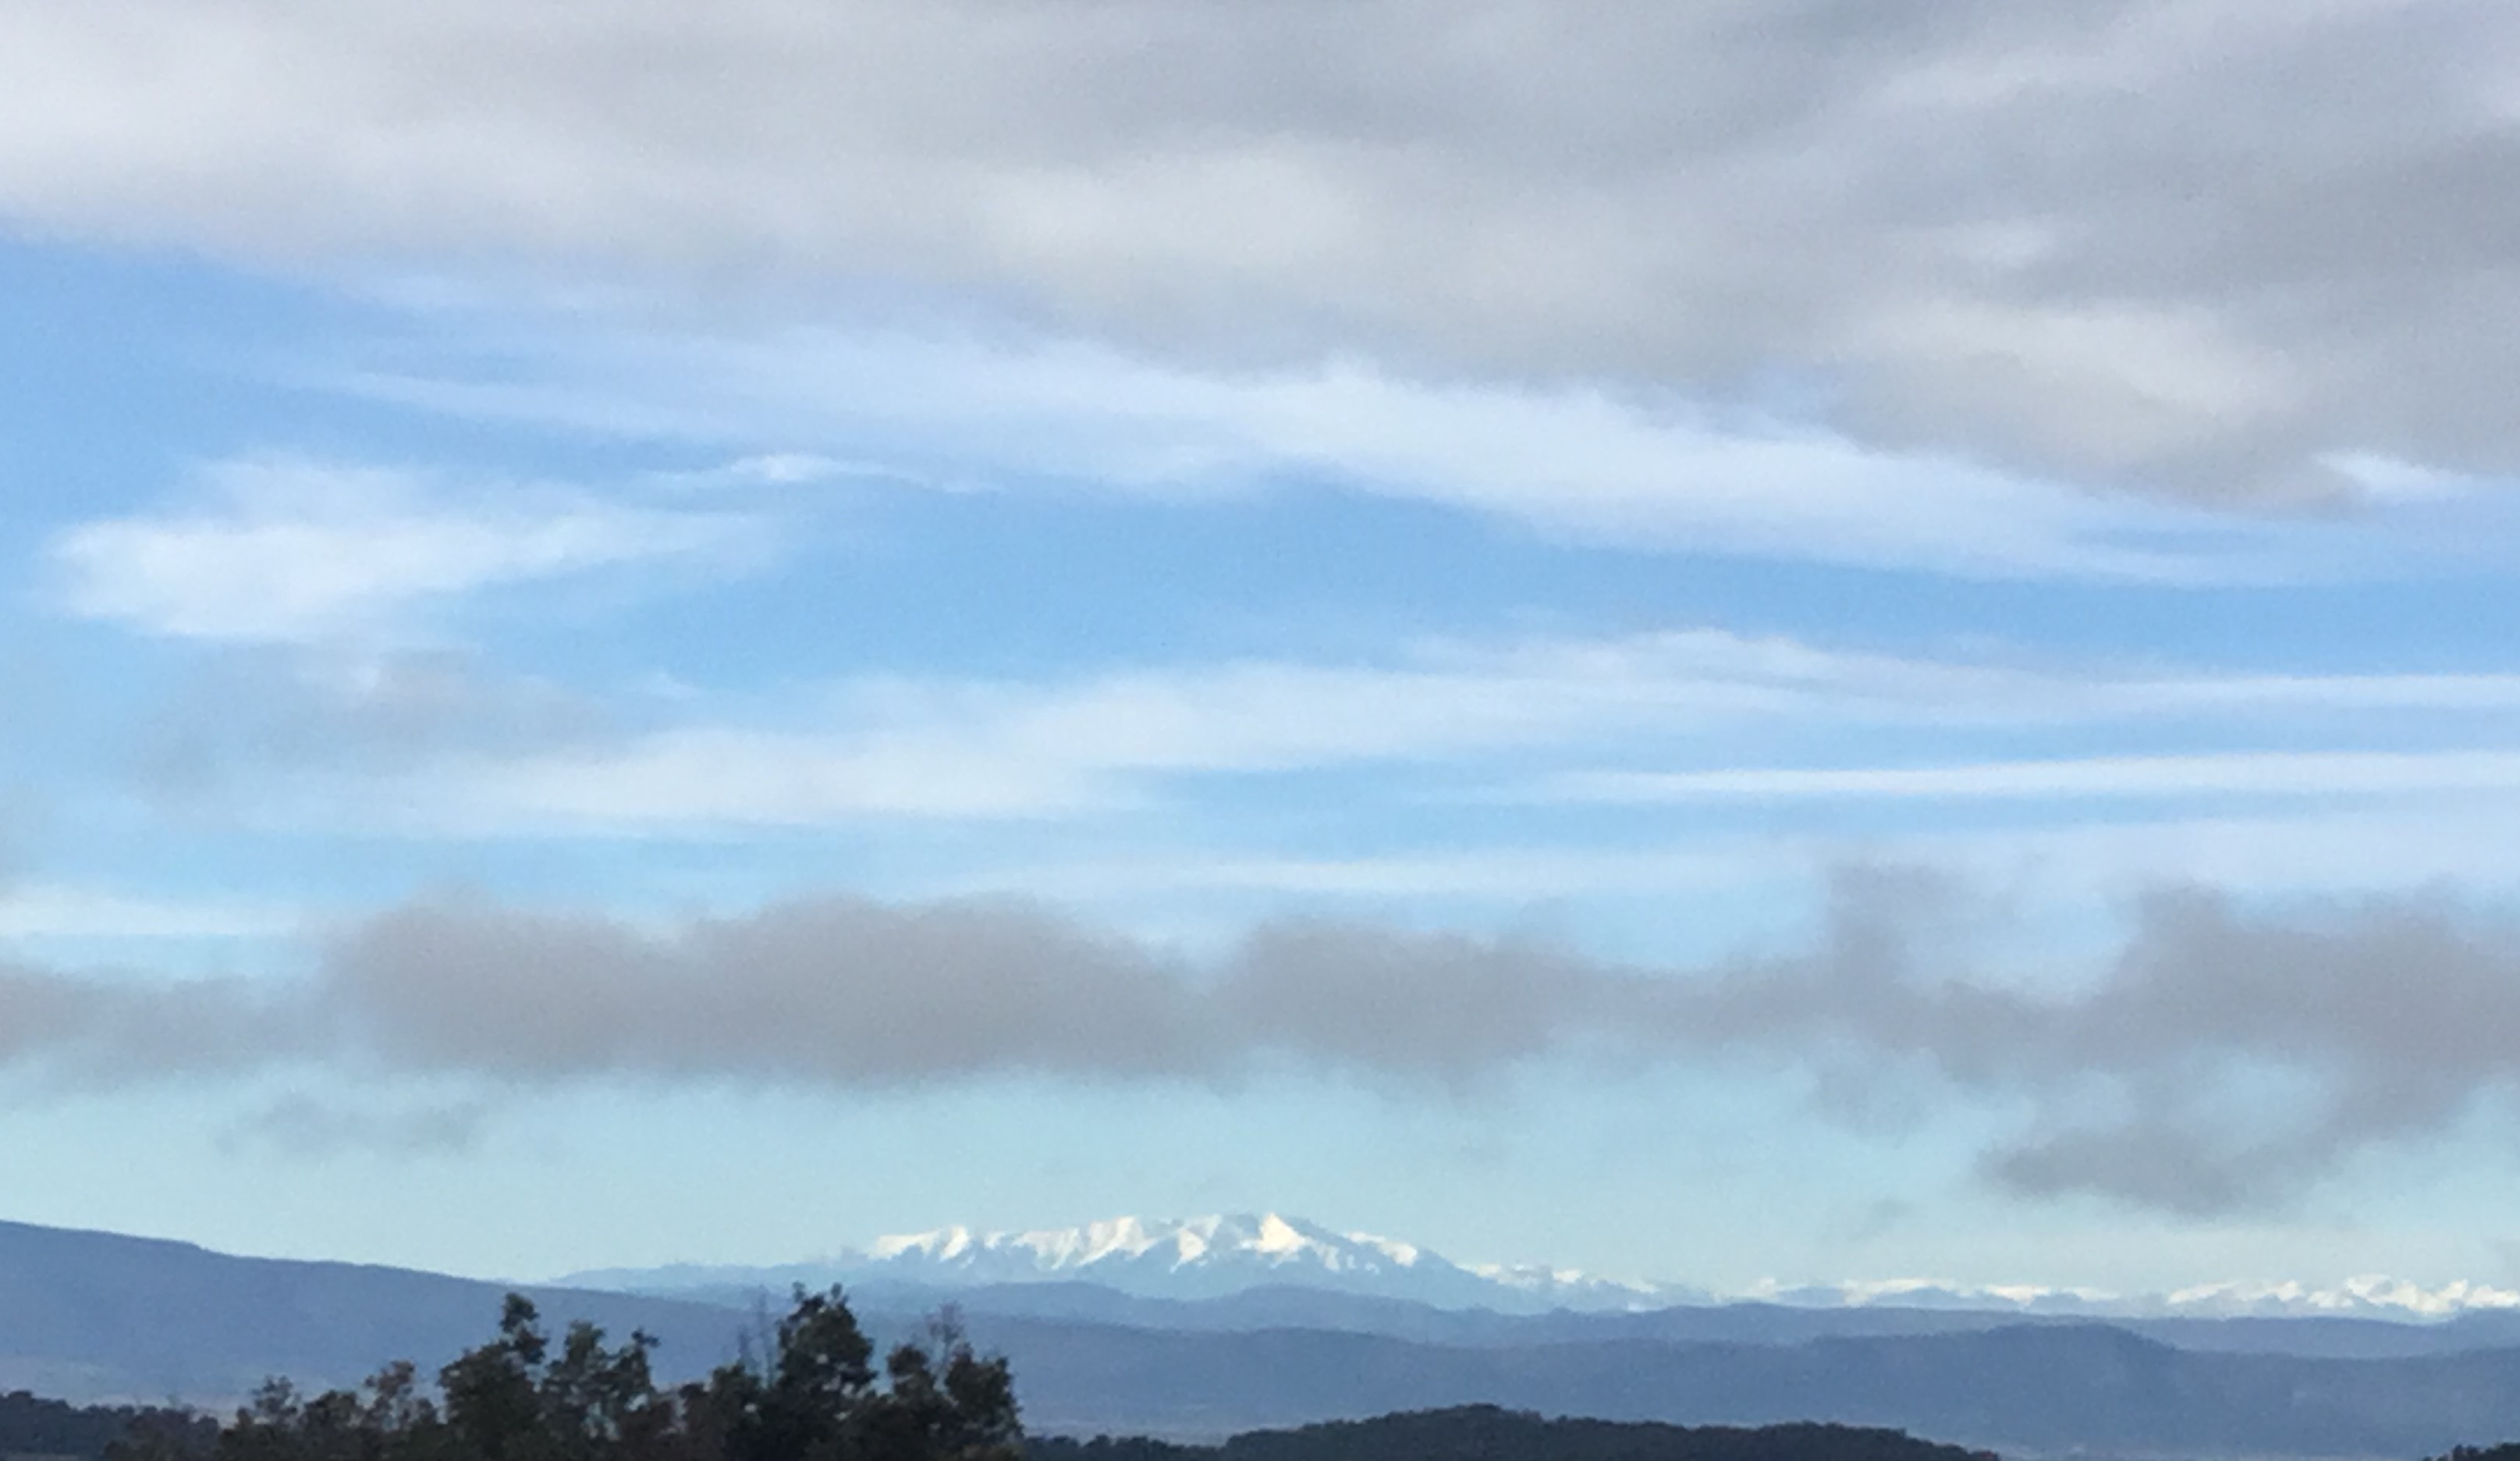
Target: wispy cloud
48	910
2060	865
897	746
1572	461
2255	773
906	746
281	549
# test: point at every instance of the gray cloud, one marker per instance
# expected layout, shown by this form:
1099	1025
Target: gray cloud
243	712
2222	1061
2194	244
301	1126
838	990
99	1030
2251	1056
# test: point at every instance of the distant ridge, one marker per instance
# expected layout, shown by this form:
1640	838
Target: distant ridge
1226	1253
104	1317
94	1316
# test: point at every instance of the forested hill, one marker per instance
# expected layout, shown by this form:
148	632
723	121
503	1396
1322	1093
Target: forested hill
1487	1433
33	1427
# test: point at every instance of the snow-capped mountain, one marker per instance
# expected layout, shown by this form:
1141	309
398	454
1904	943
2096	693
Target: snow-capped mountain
1194	1257
1221	1254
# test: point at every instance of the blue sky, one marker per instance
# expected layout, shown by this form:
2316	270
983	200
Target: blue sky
1789	648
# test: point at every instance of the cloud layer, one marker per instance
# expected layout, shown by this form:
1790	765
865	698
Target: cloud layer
2203	244
2221	1060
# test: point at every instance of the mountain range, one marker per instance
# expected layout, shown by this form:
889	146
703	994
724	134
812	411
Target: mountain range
91	1316
1222	1254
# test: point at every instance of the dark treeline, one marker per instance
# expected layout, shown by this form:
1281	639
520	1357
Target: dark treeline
1486	1433
33	1427
810	1390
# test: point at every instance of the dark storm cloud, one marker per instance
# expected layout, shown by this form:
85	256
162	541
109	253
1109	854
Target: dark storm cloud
2222	1061
2194	244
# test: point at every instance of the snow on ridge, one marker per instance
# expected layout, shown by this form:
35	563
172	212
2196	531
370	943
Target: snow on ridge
2373	1297
1268	1238
944	1245
2363	1293
1277	1237
1223	1254
1195	1256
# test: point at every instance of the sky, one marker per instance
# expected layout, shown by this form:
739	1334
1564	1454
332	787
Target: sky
1714	641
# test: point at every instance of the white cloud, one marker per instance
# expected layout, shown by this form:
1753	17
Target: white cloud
1570	461
942	748
1482	711
286	550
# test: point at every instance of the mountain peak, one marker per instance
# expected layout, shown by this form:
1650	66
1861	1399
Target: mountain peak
1204	1257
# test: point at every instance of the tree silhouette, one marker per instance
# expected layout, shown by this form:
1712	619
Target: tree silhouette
810	1391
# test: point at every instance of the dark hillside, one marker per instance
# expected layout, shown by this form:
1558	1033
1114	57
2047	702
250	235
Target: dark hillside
1487	1433
33	1427
99	1317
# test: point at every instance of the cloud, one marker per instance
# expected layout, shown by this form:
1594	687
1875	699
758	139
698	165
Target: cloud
248	711
304	1126
286	551
969	409
2252	1056
2257	773
54	910
2198	244
935	747
964	410
2049	869
2221	1060
946	749
97	1030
